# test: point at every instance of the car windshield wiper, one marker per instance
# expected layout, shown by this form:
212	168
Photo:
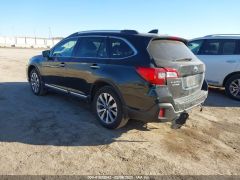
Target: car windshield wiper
183	59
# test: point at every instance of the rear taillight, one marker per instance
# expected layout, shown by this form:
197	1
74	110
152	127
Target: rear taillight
157	76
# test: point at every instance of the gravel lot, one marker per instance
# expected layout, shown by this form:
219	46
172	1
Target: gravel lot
57	134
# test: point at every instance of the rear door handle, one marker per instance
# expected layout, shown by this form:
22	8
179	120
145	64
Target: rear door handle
95	66
231	61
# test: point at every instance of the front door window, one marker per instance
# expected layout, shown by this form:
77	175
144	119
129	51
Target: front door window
65	48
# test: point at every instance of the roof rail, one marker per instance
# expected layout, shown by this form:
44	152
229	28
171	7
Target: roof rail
212	35
97	31
126	31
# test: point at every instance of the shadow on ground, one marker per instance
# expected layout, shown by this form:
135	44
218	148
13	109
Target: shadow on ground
218	98
62	120
55	119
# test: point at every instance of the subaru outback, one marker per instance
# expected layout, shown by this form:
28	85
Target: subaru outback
124	75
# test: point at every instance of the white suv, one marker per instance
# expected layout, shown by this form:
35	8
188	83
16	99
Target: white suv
221	54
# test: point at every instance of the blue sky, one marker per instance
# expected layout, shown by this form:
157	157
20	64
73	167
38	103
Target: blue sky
185	18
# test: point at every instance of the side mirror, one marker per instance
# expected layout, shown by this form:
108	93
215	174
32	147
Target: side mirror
46	53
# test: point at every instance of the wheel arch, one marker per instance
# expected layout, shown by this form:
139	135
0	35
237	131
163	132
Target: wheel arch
101	83
229	76
30	68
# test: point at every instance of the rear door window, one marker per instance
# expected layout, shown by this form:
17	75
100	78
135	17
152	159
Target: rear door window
229	47
92	47
210	47
195	46
120	49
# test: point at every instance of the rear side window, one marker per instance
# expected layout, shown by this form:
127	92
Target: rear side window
229	47
195	46
92	47
120	48
210	47
169	50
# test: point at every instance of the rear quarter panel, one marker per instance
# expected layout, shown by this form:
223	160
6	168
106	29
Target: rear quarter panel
134	90
238	64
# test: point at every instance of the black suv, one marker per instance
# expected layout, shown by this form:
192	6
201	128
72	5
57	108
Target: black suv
124	74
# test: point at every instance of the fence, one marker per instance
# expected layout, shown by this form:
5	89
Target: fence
28	42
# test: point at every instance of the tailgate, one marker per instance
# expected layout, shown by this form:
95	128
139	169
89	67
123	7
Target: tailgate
175	54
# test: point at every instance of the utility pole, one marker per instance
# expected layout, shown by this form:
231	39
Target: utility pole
14	36
35	36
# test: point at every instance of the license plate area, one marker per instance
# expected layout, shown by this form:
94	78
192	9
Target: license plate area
190	82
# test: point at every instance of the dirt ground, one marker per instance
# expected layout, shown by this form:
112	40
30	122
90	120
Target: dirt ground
57	134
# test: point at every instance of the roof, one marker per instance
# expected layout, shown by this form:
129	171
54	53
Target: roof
124	33
113	32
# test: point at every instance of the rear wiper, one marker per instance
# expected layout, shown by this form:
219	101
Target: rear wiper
183	59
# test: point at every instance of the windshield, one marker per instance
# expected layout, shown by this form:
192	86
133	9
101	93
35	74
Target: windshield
169	50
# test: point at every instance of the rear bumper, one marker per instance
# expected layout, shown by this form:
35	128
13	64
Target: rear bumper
183	105
171	111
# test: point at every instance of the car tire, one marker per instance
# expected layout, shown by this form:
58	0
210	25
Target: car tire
108	108
232	87
36	83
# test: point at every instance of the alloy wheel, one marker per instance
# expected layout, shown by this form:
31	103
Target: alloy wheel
35	82
234	88
107	108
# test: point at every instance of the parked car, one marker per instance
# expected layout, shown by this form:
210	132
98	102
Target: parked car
221	54
124	74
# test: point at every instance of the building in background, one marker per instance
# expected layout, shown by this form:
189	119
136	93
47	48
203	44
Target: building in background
28	42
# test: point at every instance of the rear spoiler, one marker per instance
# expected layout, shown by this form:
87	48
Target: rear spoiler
171	38
154	31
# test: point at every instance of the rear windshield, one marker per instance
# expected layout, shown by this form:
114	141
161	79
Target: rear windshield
169	50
